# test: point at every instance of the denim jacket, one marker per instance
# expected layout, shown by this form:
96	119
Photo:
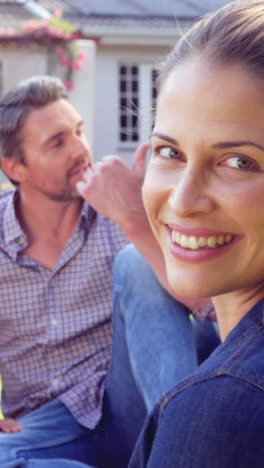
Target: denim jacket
215	418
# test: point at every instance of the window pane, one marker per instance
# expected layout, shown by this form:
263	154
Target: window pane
123	103
134	103
134	121
123	121
123	136
134	86
122	86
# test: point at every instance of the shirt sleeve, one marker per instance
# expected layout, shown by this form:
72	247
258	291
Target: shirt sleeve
216	423
116	236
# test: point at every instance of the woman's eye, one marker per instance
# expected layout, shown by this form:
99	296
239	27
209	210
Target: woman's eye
168	153
241	162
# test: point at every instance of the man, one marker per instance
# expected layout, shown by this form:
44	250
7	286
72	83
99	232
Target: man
56	255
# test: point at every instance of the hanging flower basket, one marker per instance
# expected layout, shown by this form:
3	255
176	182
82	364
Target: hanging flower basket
56	33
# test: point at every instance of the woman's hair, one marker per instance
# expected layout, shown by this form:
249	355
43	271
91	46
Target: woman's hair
232	34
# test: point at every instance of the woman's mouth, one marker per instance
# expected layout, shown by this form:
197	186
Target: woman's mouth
200	242
195	245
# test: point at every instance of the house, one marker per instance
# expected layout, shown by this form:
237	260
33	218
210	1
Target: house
123	39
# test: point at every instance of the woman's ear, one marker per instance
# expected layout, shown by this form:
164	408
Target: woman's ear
14	169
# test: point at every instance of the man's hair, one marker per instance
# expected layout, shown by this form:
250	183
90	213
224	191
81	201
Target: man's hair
33	93
232	34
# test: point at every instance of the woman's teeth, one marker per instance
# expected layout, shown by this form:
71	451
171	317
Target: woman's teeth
197	242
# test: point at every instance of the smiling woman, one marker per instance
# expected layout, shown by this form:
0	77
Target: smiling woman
203	193
201	185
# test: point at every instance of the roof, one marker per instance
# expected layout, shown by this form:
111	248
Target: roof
96	10
100	18
185	9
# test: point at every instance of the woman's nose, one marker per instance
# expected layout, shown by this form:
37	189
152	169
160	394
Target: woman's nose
191	194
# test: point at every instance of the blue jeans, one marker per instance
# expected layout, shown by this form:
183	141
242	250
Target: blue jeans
153	348
51	430
163	343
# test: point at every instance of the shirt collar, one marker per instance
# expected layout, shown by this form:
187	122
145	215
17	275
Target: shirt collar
252	321
16	239
11	228
87	218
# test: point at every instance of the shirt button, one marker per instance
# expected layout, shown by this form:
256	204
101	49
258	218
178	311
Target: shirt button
55	382
20	240
54	322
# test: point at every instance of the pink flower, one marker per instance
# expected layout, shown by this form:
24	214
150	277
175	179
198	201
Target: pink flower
65	62
69	85
81	55
76	65
60	52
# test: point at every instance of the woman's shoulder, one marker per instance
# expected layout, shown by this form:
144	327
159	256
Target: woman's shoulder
215	393
236	375
239	357
213	423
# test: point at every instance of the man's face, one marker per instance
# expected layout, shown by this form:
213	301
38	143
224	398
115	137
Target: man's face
56	151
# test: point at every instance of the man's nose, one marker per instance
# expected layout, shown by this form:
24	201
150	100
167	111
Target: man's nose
80	146
190	194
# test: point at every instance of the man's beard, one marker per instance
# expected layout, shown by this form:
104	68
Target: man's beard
63	196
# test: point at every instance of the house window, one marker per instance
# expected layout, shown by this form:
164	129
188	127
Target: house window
128	103
137	96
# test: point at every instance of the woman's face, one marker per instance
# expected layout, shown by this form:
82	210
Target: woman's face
204	186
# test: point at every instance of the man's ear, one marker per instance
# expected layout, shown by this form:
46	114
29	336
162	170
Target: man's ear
14	169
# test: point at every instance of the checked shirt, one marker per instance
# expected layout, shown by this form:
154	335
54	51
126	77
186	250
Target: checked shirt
55	339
